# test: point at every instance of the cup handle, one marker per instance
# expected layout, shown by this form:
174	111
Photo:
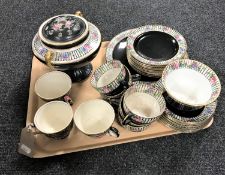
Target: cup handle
136	77
113	132
68	99
79	13
127	119
48	58
32	129
124	84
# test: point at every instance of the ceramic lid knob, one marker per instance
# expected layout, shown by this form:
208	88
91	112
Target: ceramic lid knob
63	30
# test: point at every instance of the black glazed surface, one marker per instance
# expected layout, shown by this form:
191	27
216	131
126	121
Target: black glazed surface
156	45
180	109
119	53
63	29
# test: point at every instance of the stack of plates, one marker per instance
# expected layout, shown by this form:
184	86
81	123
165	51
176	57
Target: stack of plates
192	88
188	124
150	48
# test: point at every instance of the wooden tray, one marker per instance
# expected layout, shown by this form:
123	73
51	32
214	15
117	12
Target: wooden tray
39	146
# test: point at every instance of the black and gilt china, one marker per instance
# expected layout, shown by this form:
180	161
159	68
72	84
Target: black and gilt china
63	30
191	84
111	79
132	127
150	48
117	50
54	119
68	43
95	118
189	124
142	103
54	85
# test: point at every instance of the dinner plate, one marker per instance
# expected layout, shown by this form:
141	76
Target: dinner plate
156	45
117	50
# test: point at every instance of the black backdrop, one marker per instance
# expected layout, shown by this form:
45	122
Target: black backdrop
201	22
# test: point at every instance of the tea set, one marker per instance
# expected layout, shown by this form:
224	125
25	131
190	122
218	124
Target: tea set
182	97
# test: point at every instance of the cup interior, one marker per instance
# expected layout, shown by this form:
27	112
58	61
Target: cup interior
53	85
53	117
108	74
143	101
94	117
108	77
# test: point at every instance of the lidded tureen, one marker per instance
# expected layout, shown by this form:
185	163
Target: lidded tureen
68	43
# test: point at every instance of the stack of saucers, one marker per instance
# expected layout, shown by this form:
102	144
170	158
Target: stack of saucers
140	105
191	92
188	124
150	48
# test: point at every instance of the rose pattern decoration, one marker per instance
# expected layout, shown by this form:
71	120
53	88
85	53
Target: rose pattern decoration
64	28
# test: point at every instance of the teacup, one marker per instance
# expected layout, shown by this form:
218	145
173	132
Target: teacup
95	118
111	78
142	104
54	85
54	119
130	126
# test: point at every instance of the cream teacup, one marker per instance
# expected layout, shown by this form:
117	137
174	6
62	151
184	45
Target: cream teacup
54	119
142	104
54	85
111	78
95	118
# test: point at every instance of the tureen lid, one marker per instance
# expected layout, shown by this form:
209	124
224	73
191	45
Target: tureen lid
63	30
75	54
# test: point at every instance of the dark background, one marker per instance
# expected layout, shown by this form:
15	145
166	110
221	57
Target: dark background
201	22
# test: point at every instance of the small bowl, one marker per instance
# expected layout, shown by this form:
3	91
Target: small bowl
110	78
191	83
142	104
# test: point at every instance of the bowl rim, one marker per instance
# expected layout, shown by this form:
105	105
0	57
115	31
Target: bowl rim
199	64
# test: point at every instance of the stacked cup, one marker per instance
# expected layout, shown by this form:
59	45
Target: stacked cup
140	105
111	80
191	92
